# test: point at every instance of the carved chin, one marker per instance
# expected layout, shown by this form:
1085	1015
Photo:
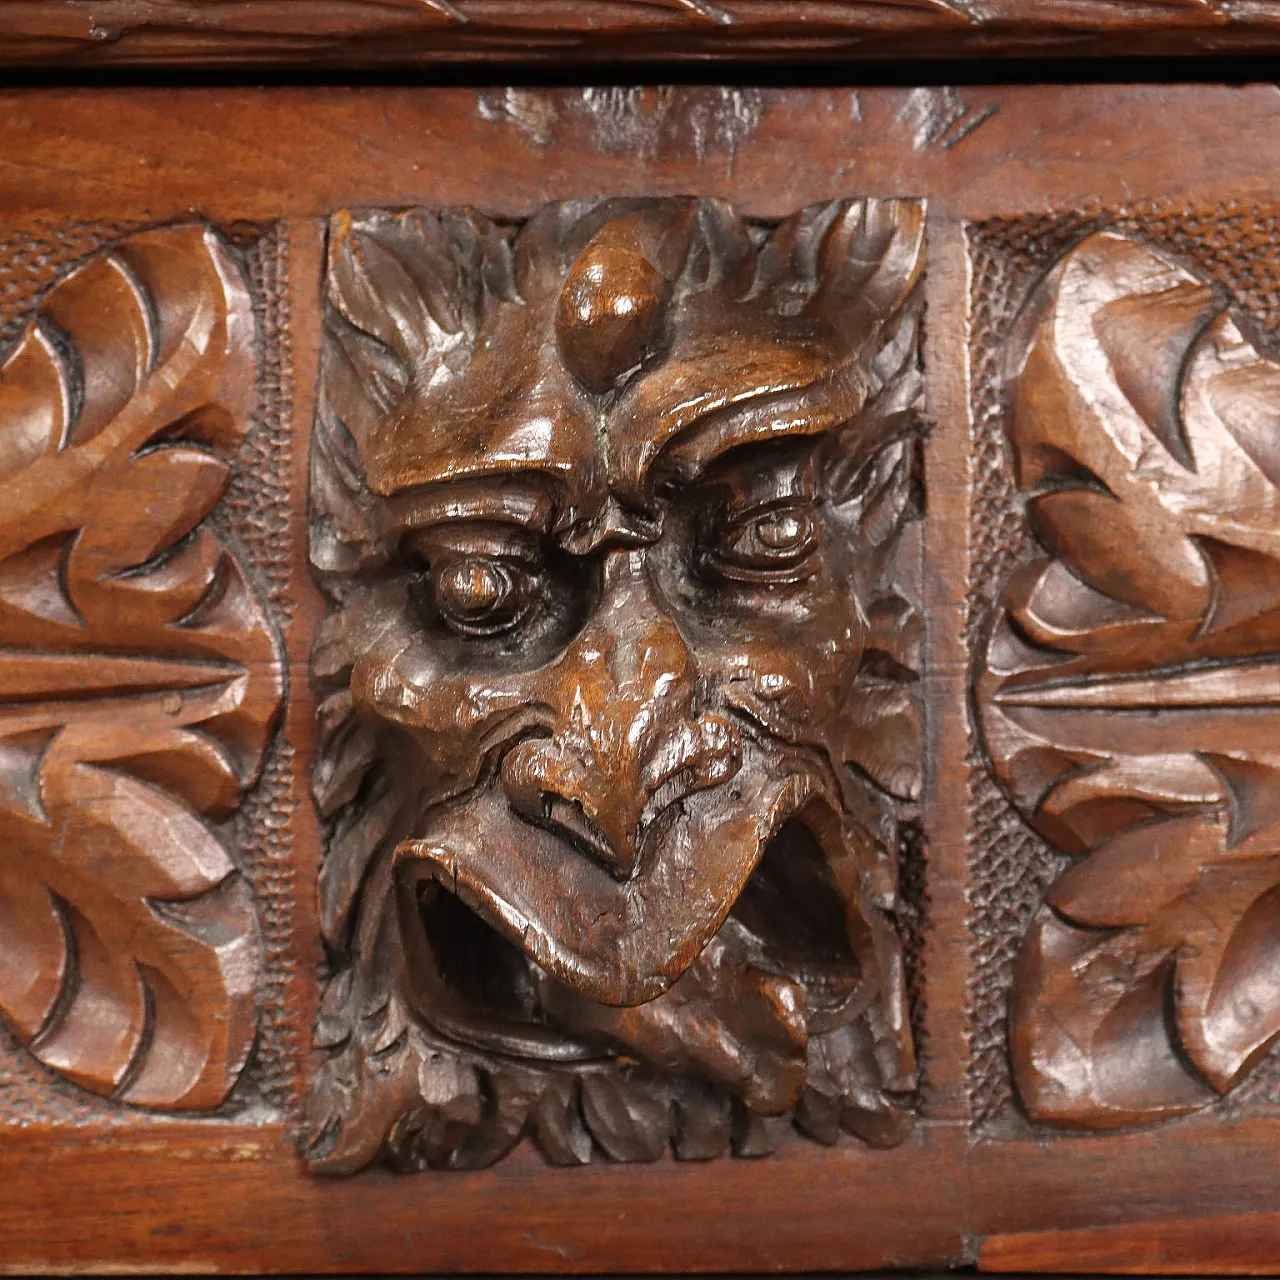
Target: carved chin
479	870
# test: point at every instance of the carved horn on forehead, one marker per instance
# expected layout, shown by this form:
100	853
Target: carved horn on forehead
880	299
814	326
872	258
611	310
404	290
851	260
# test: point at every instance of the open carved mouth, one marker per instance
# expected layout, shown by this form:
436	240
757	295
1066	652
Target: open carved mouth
794	919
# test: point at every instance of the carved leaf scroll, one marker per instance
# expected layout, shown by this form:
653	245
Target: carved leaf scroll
1131	697
139	676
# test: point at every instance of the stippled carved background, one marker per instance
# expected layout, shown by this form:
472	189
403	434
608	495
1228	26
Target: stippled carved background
253	519
1235	246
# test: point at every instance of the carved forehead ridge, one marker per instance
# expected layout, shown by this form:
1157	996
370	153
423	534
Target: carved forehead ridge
604	335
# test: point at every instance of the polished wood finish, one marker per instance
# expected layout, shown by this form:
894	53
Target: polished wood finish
1129	691
618	715
140	675
1016	183
364	33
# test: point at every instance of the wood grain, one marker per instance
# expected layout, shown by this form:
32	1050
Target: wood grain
215	1201
232	1195
615	740
363	33
975	152
1244	1244
237	1201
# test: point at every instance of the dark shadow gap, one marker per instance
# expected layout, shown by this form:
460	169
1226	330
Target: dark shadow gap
572	71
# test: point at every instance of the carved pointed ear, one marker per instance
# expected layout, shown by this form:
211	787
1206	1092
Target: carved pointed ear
879	298
870	469
883	721
854	262
403	290
407	280
882	493
870	262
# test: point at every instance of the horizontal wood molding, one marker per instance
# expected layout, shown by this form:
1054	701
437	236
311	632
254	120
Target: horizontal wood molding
365	33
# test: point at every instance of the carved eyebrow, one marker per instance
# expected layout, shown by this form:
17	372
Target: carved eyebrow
758	445
527	502
765	473
768	415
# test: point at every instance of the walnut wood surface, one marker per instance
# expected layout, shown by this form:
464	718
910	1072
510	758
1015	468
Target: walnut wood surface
139	673
1129	689
1016	181
361	33
618	713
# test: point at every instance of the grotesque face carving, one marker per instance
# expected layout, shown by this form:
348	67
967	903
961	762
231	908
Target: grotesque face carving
617	720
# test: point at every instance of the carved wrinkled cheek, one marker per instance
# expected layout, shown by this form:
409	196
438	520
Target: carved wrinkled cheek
377	685
433	705
787	685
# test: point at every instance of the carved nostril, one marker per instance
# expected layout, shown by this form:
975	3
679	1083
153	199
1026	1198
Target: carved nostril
541	780
701	754
571	822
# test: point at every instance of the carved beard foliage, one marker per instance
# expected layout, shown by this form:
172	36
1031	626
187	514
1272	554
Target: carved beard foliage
608	507
1130	698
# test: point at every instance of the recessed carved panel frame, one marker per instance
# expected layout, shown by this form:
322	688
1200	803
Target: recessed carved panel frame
1123	678
552	639
141	674
617	722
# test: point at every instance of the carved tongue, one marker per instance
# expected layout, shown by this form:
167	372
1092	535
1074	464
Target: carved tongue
724	1020
620	942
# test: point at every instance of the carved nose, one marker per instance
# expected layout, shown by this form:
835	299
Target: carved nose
628	742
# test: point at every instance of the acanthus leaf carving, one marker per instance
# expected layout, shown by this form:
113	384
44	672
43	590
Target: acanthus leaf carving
1131	691
139	676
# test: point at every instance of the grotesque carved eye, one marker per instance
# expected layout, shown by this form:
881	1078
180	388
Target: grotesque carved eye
776	545
482	595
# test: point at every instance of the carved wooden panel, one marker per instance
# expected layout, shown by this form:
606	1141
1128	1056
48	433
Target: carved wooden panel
617	716
1126	684
562	639
140	675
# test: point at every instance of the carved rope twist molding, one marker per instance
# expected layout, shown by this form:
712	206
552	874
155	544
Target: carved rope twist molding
362	31
139	676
